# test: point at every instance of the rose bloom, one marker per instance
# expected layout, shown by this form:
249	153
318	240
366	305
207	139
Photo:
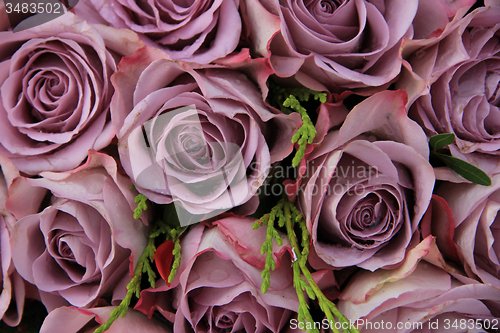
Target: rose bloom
55	91
79	242
75	320
351	44
197	31
418	297
363	198
462	96
219	278
202	137
475	210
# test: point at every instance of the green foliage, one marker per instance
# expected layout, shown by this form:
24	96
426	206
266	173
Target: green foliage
140	200
288	100
440	141
144	265
291	219
466	170
463	168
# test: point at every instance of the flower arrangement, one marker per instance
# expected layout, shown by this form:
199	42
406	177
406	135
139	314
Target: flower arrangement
250	166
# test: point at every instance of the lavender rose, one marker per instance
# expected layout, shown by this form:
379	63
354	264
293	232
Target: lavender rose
342	44
55	92
198	31
475	210
79	242
463	97
418	297
201	137
363	199
218	282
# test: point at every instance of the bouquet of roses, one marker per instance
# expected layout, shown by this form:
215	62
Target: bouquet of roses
250	166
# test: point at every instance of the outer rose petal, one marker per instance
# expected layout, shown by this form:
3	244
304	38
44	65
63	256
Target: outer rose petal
72	320
416	292
59	139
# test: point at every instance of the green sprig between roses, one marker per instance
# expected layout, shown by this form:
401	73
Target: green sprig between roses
289	217
144	263
288	100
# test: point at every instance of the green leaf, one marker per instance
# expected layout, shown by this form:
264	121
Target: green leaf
440	141
466	170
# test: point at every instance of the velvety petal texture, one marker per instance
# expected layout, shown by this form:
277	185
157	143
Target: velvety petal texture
475	210
197	31
75	320
13	288
55	92
342	44
81	236
461	76
219	282
417	293
201	137
363	198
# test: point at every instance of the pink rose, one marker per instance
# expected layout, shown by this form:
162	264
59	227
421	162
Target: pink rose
475	209
342	44
459	77
4	19
55	92
198	31
363	198
418	297
201	137
219	279
81	235
13	289
74	320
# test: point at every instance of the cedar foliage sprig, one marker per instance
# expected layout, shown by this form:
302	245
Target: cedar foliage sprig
291	218
288	100
145	261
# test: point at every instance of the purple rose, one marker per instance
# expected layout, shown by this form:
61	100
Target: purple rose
199	31
342	44
55	91
418	297
458	78
476	212
201	137
74	320
363	198
218	282
81	239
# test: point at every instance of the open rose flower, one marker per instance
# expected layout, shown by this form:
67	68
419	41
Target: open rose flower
202	137
74	320
463	97
363	199
196	31
348	44
476	212
219	279
55	91
79	242
418	297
